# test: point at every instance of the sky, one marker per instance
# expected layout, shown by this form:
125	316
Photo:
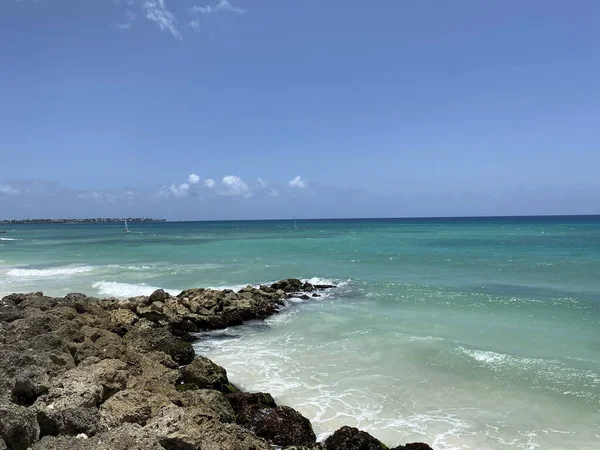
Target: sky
249	109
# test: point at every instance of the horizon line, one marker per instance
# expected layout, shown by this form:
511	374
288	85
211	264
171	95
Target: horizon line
151	220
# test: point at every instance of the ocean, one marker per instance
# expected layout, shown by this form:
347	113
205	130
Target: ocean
478	333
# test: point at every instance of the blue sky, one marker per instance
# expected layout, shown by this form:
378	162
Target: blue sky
340	108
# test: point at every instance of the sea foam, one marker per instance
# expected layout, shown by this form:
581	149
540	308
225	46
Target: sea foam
125	290
61	272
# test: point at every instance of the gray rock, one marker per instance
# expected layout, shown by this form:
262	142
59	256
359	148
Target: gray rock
202	373
18	426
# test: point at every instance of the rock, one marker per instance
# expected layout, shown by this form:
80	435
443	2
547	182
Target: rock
68	421
202	373
215	436
70	405
316	446
18	426
349	438
288	286
130	406
213	404
63	443
161	339
29	385
122	320
284	426
150	374
158	296
413	446
280	425
248	405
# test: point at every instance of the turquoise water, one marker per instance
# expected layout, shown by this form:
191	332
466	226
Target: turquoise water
466	333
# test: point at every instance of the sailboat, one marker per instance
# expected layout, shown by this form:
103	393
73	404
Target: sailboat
294	227
126	229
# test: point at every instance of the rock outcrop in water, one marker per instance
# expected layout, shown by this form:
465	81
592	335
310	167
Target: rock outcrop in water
80	373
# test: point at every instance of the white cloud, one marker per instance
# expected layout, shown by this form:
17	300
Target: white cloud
179	190
264	184
157	11
209	183
129	23
299	182
193	178
222	5
8	190
234	186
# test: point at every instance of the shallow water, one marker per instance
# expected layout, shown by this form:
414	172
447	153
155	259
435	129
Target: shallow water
468	333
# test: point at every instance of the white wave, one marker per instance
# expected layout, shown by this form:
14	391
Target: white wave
61	272
319	280
125	290
485	356
10	239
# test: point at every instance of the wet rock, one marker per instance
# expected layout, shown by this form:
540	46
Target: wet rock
284	426
202	373
350	438
247	406
18	426
413	446
289	286
280	425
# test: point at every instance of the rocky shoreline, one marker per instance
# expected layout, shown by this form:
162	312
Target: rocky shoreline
80	373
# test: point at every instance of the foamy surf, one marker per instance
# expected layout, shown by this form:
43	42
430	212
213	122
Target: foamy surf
61	272
126	290
10	239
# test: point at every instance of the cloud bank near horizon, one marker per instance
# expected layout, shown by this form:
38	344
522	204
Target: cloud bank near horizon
232	198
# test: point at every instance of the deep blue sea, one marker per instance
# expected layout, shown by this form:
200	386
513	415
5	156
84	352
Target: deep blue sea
464	333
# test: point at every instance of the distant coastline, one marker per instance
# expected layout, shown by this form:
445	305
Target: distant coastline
71	221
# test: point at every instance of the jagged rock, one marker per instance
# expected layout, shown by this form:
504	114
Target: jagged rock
413	446
68	421
64	443
213	404
284	426
29	385
247	406
202	373
316	446
280	425
18	426
130	406
70	405
158	296
161	339
98	344
288	286
122	320
350	438
150	374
